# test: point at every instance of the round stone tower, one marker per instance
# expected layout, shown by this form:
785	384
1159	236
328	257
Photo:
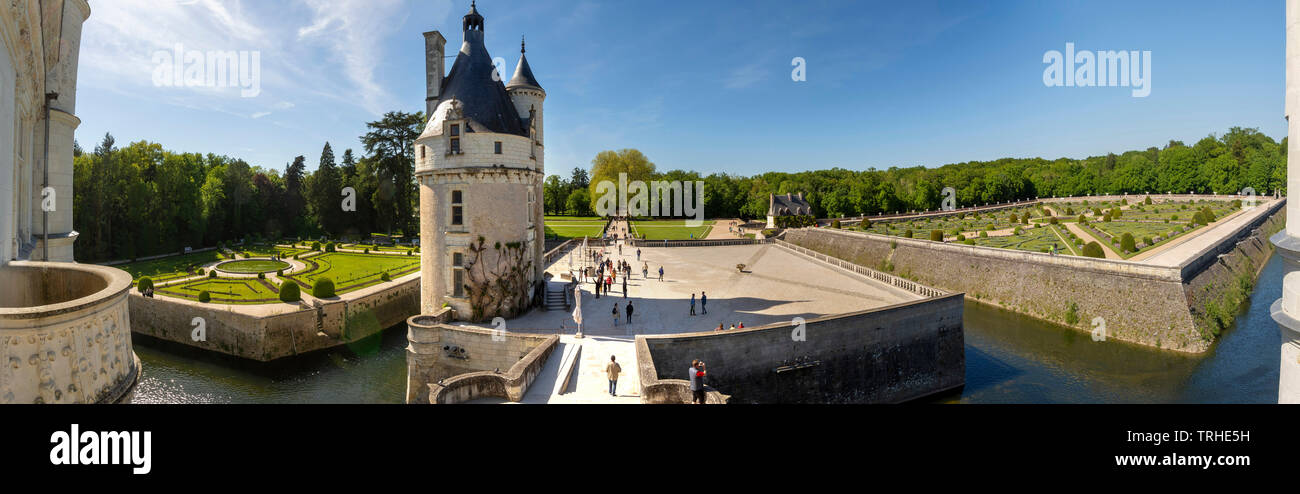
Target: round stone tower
479	165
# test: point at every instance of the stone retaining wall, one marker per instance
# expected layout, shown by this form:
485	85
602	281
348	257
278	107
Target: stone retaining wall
300	329
510	385
886	355
1139	303
452	364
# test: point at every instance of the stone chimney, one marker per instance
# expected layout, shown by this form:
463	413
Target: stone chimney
434	66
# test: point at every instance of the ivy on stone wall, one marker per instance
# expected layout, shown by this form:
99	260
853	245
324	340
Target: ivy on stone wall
500	289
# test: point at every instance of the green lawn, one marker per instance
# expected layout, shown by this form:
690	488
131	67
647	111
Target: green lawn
169	268
377	248
253	266
354	271
243	291
670	230
565	227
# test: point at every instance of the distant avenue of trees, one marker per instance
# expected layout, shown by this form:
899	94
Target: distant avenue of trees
142	200
1224	164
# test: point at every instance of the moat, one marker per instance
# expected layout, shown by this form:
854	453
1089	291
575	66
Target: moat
1009	359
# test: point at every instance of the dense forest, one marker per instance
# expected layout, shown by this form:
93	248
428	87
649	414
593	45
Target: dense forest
142	200
1224	164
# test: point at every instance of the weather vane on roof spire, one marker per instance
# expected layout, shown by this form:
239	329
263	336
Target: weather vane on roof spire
523	48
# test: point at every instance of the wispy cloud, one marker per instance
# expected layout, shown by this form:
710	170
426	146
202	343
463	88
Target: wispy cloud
746	75
353	31
309	48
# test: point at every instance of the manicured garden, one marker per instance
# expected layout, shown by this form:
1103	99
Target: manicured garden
350	271
236	291
1127	227
170	268
670	229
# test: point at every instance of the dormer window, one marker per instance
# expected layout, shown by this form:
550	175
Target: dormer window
497	147
455	130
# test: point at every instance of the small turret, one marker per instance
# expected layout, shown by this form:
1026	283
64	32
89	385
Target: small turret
527	94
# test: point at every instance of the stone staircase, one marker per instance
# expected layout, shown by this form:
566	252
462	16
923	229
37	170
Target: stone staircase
556	298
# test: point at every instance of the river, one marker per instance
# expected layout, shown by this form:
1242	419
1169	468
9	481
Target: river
1009	359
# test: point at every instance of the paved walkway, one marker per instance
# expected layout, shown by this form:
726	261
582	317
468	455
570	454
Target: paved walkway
722	229
1088	237
1194	242
777	286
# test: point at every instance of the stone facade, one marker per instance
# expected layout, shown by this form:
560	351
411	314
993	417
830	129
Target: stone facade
64	328
1286	310
23	176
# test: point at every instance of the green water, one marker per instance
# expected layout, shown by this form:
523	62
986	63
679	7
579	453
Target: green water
1009	359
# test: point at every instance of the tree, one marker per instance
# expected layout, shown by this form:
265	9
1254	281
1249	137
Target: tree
579	203
326	197
554	193
390	142
294	197
606	168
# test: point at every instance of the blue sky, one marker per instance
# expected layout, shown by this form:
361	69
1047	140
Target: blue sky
702	86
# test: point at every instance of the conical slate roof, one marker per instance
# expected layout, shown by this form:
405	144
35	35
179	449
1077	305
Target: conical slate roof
482	98
523	73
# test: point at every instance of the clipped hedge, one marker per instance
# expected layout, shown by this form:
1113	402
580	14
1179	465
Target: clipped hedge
1093	249
289	291
144	284
323	288
205	297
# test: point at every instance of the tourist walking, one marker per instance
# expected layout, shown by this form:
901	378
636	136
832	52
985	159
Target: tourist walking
698	385
612	371
624	287
692	304
645	270
690	375
629	311
638	254
704	303
616	317
609	283
661	273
